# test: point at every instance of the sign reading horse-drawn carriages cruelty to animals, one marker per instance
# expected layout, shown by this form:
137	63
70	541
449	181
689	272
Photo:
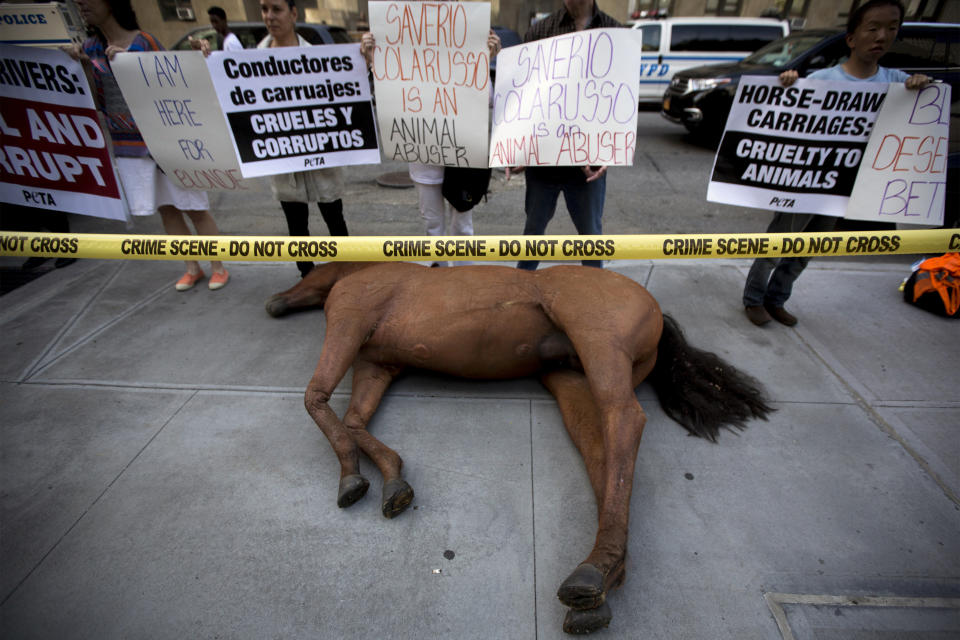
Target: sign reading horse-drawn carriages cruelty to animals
175	106
431	68
53	153
296	108
569	100
795	149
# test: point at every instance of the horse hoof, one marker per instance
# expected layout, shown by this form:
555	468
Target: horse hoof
581	621
277	306
352	488
583	589
397	496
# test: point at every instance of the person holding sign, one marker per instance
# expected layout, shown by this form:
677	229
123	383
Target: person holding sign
871	29
296	190
439	217
584	188
147	189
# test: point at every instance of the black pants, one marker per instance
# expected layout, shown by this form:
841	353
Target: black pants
298	222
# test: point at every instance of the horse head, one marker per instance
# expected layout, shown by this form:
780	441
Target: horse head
312	291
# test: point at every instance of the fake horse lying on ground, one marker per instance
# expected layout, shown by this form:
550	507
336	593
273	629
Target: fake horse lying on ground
591	335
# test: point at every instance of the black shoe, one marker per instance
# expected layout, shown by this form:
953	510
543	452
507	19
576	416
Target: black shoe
63	262
32	263
757	315
781	315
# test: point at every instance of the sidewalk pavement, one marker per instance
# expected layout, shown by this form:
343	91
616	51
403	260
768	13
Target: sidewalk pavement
160	478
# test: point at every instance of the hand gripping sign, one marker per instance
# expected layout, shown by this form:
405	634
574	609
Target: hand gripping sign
53	153
567	101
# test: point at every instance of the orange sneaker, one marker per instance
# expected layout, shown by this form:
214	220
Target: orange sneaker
218	280
188	280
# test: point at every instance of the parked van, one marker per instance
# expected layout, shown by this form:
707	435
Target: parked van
675	44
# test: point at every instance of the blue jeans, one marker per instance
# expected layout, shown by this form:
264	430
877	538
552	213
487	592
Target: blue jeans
584	202
761	287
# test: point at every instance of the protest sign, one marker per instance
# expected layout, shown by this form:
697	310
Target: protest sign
296	108
431	69
903	176
175	107
53	153
566	101
40	24
794	148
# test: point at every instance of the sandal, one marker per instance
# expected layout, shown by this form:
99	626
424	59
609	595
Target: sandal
218	279
188	280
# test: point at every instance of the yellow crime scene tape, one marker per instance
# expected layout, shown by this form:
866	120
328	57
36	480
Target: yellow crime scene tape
477	248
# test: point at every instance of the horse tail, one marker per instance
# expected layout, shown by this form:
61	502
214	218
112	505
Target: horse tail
699	390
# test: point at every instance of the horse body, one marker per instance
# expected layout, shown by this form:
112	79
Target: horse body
490	322
591	335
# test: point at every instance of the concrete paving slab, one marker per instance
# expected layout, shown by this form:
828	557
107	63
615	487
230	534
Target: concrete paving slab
226	526
206	339
704	298
920	350
800	503
60	449
35	315
934	434
837	618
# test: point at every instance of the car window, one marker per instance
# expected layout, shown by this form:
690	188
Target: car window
924	49
200	34
780	52
339	35
833	54
722	37
651	37
310	35
250	36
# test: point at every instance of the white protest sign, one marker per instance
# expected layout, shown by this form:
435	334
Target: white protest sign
796	148
296	108
431	69
175	107
570	100
53	153
903	176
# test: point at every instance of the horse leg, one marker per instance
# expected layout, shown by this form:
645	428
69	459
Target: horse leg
344	336
621	422
582	420
370	381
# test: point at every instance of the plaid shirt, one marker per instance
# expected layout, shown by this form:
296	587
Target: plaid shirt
561	22
558	23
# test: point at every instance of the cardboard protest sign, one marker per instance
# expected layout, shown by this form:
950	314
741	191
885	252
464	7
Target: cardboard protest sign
172	100
53	153
568	100
431	71
903	176
796	148
296	108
